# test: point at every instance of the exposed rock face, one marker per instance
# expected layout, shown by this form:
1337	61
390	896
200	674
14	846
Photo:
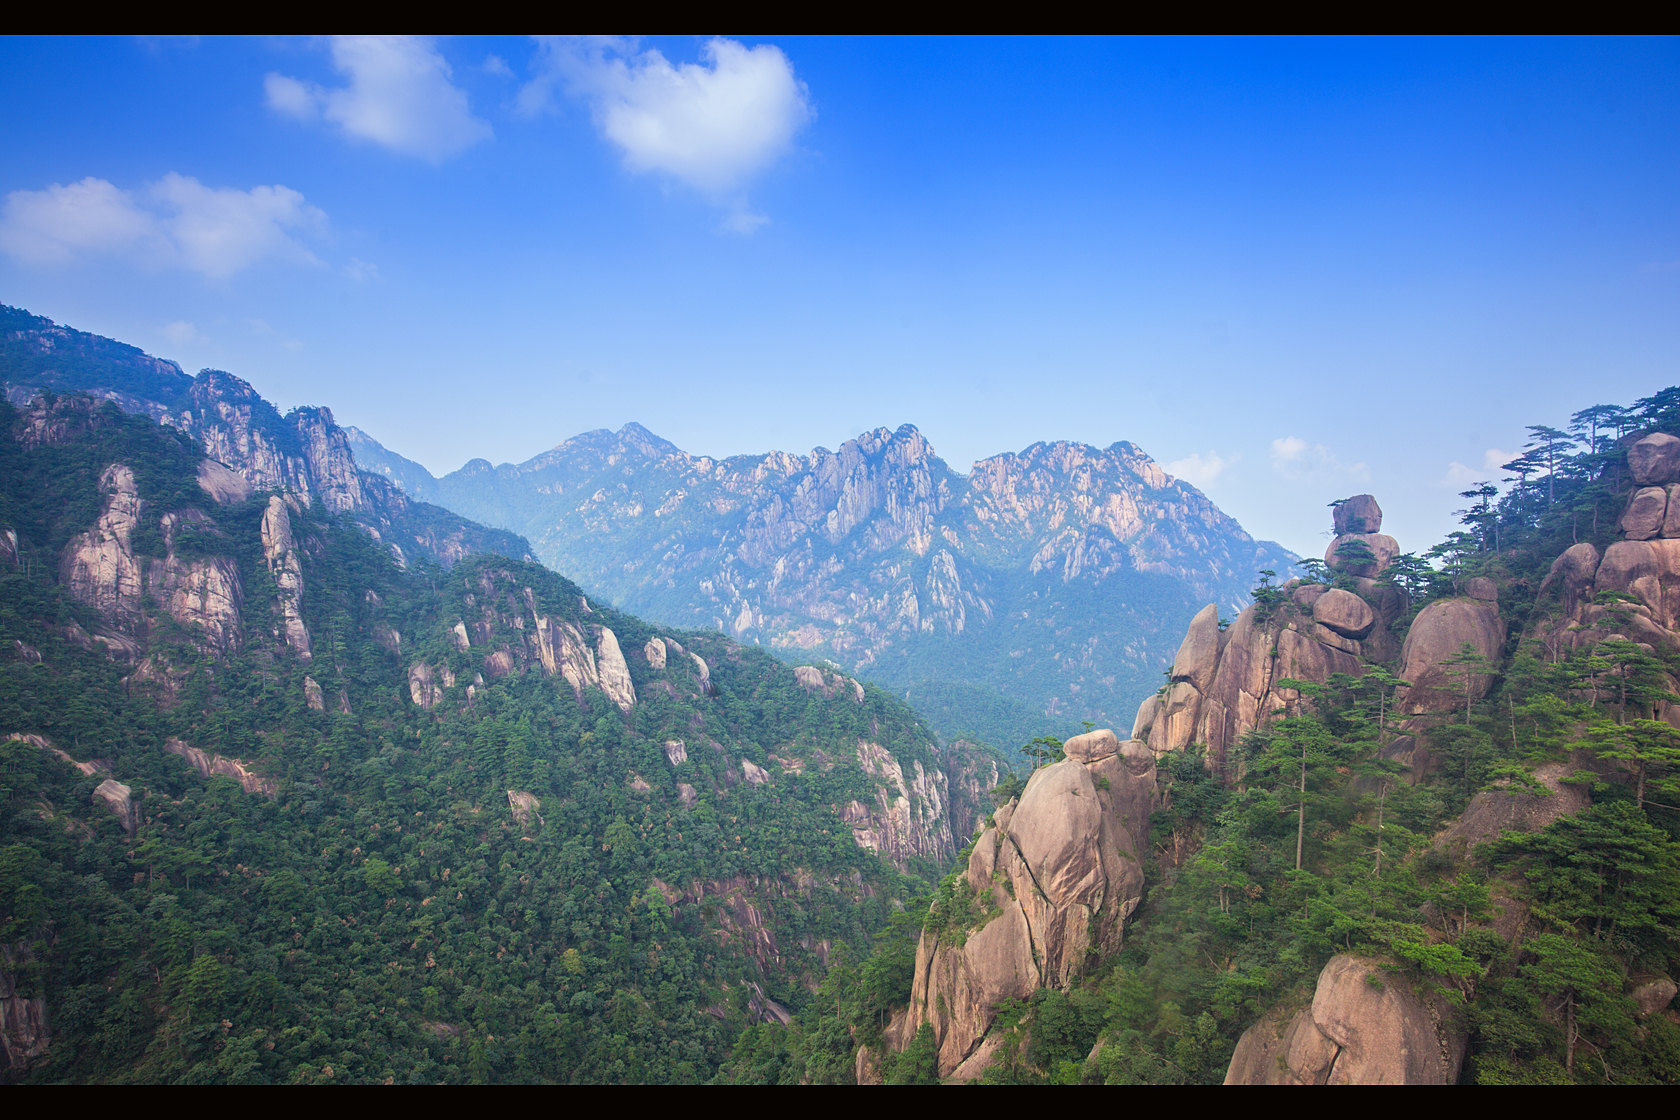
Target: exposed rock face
24	1029
654	651
1365	1026
1510	809
525	807
211	765
676	752
284	565
119	798
221	483
99	568
312	695
1241	689
426	686
615	674
1056	876
910	817
205	594
1437	637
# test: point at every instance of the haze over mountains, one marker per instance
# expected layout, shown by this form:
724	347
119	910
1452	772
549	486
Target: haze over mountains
1042	588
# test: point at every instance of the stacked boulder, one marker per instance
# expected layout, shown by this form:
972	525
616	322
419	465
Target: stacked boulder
1642	569
1225	682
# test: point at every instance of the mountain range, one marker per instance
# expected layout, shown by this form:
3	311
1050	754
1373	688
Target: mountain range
1042	588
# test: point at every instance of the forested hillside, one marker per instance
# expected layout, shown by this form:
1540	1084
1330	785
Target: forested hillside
278	809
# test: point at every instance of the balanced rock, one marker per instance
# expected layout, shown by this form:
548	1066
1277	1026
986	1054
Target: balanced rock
1655	459
1342	556
1358	514
1344	612
1643	518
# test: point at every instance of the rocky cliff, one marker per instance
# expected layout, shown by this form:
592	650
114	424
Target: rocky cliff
303	453
1042	576
1366	1025
1048	887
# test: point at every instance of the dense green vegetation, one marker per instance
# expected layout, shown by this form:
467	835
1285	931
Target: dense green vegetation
386	916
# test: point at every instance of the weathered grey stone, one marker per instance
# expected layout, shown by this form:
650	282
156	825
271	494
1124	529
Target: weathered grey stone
1653	995
1345	613
1655	459
1358	514
119	799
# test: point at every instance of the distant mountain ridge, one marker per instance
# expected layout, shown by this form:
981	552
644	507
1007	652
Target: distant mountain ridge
303	451
1046	586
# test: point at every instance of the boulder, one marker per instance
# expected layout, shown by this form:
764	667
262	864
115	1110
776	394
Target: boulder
1093	746
1653	995
1644	516
1573	573
1655	459
1358	514
1366	1026
1438	636
1345	613
1483	588
1384	549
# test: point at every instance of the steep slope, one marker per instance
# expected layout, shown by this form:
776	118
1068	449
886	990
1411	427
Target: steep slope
303	452
1037	590
277	809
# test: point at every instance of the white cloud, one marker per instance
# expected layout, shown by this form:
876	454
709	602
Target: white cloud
54	225
182	333
1459	476
1199	470
713	125
176	222
400	95
1297	460
361	271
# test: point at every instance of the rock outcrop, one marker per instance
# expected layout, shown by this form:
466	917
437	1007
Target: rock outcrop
99	568
1434	658
211	765
25	1032
1053	880
1365	1026
119	799
281	555
910	816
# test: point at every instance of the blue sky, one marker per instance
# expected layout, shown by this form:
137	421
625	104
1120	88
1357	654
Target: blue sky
1290	270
